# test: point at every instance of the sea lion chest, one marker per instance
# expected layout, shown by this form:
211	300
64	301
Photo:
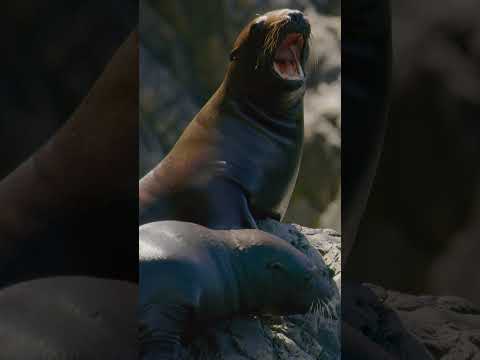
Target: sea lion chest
257	150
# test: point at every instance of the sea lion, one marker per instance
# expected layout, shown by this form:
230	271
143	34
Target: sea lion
190	275
83	178
238	160
68	318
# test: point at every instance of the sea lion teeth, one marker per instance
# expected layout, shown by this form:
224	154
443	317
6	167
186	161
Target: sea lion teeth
289	70
296	54
287	57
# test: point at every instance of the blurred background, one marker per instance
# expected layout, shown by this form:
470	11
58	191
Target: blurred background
51	54
421	230
184	48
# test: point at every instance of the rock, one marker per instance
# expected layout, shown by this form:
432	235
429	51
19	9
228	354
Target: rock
449	327
298	337
414	327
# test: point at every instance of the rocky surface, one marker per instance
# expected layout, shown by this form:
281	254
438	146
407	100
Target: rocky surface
414	327
448	327
298	337
183	59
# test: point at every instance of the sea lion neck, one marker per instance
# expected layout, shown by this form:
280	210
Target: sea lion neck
266	96
246	273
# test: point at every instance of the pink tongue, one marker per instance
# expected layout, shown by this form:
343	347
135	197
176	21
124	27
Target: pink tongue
284	54
287	55
288	68
289	44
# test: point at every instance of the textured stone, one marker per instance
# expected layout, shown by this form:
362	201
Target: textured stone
414	327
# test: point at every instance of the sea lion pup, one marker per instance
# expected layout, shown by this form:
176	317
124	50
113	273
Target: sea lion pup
191	275
67	318
87	170
238	160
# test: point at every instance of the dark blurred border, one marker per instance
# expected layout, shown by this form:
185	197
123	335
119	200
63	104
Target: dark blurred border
51	53
417	243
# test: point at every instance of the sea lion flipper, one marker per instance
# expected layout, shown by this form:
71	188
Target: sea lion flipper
161	328
229	204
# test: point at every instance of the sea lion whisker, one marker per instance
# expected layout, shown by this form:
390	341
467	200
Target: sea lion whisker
333	308
313	314
331	312
328	310
324	310
271	40
317	310
320	314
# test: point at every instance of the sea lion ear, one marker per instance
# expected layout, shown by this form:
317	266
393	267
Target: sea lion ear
234	54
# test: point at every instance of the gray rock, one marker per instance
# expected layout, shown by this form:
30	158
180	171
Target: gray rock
414	327
449	327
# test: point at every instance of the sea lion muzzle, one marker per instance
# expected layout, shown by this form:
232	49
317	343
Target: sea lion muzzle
288	56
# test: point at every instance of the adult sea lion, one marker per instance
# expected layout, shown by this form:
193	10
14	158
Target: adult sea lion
68	318
238	159
190	275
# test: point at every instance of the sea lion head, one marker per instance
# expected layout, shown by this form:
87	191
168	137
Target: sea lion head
277	278
269	54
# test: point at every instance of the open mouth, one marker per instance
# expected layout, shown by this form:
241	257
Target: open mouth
286	61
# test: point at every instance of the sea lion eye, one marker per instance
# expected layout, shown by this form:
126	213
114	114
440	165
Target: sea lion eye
234	54
276	265
308	277
260	20
258	24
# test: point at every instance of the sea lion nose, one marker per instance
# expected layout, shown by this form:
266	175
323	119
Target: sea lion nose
308	277
296	16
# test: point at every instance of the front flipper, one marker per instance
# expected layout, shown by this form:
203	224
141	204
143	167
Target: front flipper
228	206
161	329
